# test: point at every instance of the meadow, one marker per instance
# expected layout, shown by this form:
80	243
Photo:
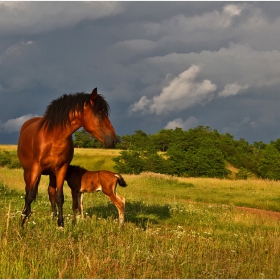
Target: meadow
174	228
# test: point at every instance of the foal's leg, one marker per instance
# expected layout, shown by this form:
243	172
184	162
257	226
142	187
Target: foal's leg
52	193
81	204
75	202
32	180
119	202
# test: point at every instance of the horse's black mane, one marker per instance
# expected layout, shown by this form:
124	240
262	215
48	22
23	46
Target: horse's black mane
57	113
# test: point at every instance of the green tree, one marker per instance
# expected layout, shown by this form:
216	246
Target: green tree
129	162
137	141
201	162
269	164
83	139
276	144
161	140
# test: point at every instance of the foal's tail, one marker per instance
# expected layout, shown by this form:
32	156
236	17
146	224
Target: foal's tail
121	180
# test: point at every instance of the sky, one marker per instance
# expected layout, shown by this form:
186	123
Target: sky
160	65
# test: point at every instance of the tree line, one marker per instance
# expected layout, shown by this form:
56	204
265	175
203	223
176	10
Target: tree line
198	152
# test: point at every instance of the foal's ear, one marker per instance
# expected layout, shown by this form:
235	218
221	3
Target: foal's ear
93	94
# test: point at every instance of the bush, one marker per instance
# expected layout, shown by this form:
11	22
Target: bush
9	160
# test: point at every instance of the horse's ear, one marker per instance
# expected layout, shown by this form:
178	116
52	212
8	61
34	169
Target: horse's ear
93	94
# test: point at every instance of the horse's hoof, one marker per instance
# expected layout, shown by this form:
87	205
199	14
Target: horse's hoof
60	228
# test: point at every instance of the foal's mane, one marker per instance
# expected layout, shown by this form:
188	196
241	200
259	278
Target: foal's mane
74	169
57	113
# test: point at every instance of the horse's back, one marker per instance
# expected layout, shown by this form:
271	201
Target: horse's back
28	123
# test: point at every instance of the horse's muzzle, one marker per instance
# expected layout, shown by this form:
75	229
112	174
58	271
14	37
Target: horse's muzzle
110	141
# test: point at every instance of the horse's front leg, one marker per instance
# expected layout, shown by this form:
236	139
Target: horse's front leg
32	180
59	196
52	193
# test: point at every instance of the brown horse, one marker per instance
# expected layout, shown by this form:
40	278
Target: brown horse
45	145
81	180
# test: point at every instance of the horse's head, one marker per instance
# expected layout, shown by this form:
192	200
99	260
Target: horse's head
95	120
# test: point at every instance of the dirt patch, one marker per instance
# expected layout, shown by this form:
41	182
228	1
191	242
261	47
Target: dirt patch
260	213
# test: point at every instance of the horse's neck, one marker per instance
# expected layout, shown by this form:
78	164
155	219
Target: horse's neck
74	124
60	135
67	131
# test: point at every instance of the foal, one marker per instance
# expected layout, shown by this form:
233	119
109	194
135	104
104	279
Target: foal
81	180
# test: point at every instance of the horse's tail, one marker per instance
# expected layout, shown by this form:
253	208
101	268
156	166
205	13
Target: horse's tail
121	180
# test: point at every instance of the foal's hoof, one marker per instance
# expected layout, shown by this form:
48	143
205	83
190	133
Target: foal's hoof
60	228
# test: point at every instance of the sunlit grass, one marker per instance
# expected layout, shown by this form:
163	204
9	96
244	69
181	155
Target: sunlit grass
159	240
174	228
9	148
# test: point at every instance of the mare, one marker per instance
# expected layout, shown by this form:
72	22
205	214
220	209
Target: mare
81	180
45	145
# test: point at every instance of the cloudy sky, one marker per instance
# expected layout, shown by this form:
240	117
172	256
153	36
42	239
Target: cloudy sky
158	64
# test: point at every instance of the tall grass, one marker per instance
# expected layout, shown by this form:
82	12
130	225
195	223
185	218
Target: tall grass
174	228
163	237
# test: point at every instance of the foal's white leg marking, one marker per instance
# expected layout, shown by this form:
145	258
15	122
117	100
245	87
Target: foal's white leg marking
121	198
99	188
116	175
121	210
81	203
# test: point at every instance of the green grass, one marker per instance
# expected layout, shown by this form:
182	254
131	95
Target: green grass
95	159
163	237
210	245
174	228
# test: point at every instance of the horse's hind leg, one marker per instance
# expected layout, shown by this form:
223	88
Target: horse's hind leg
31	189
52	193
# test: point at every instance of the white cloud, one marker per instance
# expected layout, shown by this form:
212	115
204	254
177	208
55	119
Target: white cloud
141	105
16	48
189	123
232	10
233	69
181	93
201	27
14	125
231	90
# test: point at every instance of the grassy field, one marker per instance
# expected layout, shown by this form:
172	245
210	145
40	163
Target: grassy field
174	228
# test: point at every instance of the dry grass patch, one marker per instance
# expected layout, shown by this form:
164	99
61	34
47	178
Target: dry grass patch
9	148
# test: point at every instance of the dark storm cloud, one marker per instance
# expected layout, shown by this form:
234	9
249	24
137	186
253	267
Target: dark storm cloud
159	64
